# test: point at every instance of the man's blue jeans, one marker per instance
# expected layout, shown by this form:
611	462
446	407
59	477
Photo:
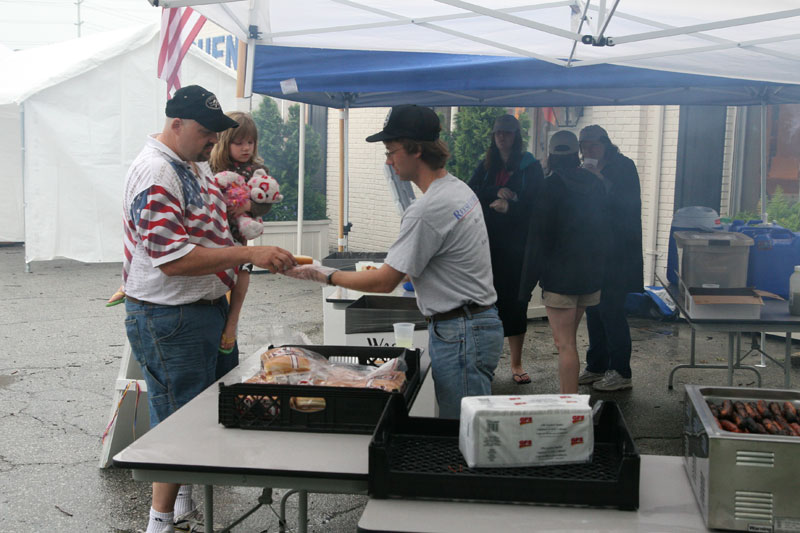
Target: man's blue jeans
176	347
464	353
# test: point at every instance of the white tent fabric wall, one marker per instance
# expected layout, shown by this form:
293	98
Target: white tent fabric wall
11	212
84	124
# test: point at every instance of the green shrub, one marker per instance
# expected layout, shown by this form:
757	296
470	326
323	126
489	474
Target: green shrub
780	210
278	144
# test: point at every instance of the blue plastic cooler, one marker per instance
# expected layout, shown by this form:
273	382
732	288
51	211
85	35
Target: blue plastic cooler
774	254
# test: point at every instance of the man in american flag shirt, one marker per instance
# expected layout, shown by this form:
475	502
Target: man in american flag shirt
180	261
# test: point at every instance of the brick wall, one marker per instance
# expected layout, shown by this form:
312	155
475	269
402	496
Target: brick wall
375	218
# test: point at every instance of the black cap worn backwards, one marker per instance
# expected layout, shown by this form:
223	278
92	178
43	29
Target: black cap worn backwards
409	122
198	104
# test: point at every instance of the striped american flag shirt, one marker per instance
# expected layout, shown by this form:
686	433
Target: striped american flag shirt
167	211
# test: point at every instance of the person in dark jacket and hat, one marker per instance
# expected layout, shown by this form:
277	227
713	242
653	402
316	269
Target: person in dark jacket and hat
566	249
609	355
507	182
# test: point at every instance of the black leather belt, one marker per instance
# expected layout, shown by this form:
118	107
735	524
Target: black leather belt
215	301
465	310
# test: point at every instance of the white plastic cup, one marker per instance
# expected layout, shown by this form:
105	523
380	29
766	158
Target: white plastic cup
589	162
403	334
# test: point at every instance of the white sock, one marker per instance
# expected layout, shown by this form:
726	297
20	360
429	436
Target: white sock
160	522
184	503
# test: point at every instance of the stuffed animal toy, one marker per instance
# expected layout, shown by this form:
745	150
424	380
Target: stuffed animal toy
261	189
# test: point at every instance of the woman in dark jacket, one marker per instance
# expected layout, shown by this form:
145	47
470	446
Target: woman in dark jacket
567	249
506	182
609	355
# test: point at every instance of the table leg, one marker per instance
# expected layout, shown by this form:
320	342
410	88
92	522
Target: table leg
208	506
302	511
787	362
731	341
690	365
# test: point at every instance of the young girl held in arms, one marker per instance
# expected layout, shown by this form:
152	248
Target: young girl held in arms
237	151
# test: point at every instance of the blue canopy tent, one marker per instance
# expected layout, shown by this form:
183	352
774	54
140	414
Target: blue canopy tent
360	78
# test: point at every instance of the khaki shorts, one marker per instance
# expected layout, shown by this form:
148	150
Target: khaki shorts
570	301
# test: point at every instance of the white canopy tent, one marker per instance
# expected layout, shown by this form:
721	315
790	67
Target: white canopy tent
737	40
728	38
73	115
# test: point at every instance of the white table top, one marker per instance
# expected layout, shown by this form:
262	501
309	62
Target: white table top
192	440
666	504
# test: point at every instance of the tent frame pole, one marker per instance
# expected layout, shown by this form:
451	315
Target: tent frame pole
655	194
347	225
301	173
764	214
341	241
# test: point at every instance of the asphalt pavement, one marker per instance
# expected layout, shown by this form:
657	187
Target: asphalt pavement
61	352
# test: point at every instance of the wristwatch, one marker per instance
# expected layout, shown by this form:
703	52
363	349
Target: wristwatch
330	278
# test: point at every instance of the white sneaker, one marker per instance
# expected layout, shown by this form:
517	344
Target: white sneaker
612	381
587	378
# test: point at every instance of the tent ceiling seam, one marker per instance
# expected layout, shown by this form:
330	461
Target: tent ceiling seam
495	14
495	44
747	45
696	28
400	21
752	47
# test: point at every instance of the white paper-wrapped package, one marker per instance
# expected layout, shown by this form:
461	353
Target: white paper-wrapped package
531	430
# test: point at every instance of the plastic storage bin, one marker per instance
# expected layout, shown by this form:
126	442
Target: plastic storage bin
412	457
347	410
692	218
369	320
718	258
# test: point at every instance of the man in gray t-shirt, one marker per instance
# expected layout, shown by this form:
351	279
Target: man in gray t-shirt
443	247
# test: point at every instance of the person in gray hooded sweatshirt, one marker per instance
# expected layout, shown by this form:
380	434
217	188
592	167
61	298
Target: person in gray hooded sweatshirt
566	248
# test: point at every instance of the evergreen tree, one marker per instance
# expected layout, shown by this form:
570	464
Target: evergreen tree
278	144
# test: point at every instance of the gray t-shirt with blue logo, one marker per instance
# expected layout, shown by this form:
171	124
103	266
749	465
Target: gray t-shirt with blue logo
444	248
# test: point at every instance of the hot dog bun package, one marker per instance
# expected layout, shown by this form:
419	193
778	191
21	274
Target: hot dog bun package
530	430
291	365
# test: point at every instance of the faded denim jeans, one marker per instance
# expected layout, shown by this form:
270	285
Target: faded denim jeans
464	354
176	347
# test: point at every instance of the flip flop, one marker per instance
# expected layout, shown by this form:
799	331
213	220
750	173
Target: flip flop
120	298
521	379
225	341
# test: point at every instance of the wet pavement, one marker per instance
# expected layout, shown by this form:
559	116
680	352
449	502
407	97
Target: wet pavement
61	352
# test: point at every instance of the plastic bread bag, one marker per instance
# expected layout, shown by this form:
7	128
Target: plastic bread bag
389	367
292	360
390	376
347	375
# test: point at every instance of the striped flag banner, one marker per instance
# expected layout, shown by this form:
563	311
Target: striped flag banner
179	27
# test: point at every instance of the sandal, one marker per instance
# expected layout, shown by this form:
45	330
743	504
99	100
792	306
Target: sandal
116	299
521	379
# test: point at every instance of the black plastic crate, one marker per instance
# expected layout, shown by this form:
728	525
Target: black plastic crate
419	458
348	260
347	410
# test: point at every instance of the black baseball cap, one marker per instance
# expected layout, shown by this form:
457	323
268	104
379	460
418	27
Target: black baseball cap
408	121
199	104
